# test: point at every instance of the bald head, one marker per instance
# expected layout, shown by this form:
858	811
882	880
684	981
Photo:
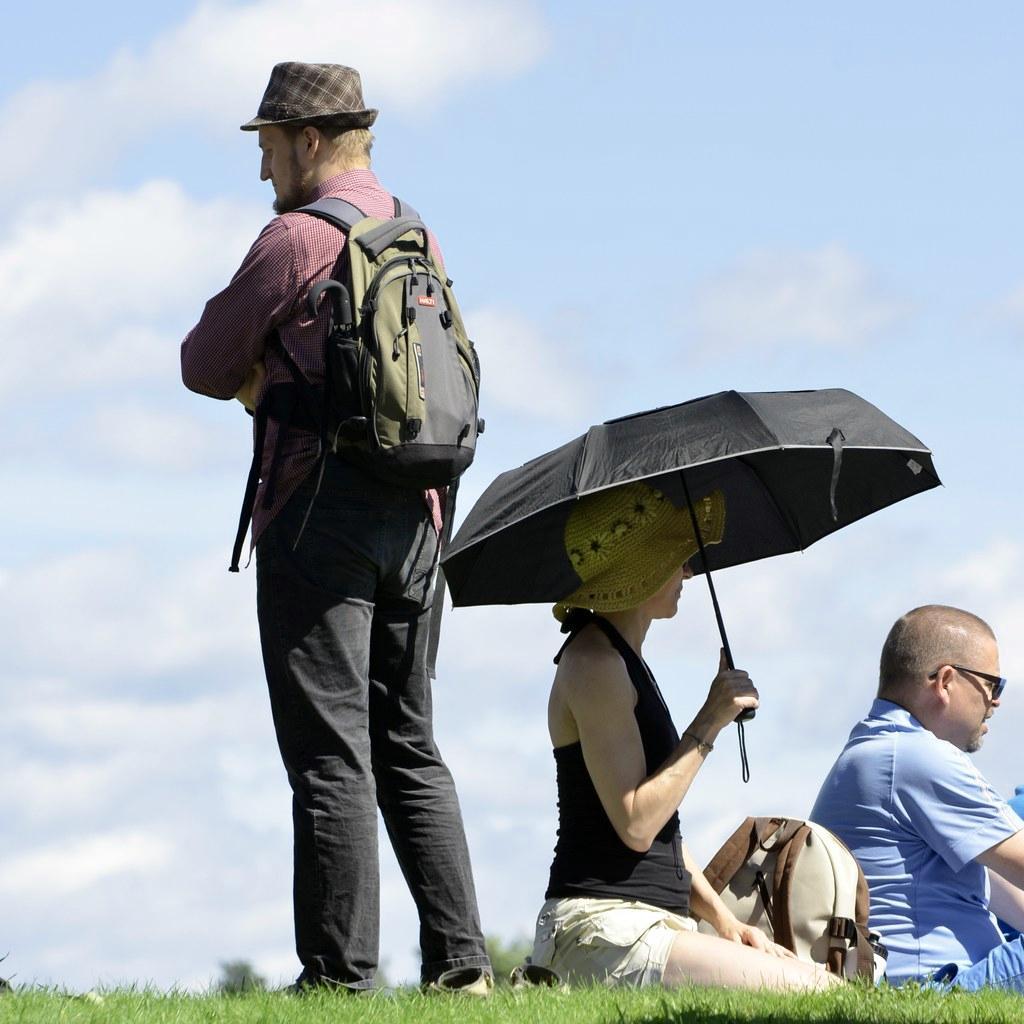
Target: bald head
925	638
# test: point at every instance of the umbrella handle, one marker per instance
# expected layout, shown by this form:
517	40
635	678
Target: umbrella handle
748	713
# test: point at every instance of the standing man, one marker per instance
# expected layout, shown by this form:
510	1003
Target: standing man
940	849
343	599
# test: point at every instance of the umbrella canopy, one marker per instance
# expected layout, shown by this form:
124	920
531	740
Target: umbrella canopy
794	466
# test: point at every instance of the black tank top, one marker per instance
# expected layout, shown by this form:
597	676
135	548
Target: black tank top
590	858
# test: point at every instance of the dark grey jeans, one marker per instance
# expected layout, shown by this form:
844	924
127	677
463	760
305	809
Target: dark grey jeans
343	625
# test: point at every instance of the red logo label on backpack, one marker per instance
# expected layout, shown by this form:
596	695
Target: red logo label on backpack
426	300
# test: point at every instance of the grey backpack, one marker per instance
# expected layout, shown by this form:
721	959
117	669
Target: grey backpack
402	376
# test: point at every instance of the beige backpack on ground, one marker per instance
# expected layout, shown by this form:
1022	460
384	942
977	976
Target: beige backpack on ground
800	885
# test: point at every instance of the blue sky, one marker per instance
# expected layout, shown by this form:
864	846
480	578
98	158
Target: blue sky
639	205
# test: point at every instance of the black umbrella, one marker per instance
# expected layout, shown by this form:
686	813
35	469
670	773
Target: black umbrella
794	466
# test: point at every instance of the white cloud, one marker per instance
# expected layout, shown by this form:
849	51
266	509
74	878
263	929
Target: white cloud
91	728
1011	309
134	434
527	372
987	582
248	774
117	256
108	612
76	864
86	296
41	788
212	68
992	571
167	818
825	297
74	760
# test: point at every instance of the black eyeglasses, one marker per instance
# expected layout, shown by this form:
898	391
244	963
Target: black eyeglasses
997	683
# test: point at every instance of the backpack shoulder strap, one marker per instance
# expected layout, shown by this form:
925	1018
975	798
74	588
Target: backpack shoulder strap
789	848
403	209
344	214
339	212
732	856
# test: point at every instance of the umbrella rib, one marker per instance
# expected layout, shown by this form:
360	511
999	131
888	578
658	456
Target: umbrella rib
577	469
794	532
759	418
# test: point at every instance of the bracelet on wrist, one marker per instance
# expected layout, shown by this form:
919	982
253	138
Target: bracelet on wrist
703	747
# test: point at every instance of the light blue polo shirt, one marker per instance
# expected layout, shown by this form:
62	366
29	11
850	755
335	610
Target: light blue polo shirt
916	813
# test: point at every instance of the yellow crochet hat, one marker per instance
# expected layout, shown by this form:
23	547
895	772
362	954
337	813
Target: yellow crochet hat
626	542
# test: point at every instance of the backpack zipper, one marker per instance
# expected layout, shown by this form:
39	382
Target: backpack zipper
373	355
378	278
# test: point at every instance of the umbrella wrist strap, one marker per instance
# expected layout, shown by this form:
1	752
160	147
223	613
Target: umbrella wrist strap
744	763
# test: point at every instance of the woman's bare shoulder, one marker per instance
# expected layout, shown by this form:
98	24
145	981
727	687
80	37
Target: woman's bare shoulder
591	669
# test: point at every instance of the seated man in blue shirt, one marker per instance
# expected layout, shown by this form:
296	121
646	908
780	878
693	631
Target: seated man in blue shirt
940	849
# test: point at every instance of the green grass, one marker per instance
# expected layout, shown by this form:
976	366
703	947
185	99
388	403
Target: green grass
651	1006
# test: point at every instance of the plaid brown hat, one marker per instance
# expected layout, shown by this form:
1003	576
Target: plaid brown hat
312	93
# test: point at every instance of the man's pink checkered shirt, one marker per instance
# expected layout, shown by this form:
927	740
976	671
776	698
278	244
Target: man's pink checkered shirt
268	291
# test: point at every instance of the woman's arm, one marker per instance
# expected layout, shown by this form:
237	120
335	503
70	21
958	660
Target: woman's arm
706	905
601	698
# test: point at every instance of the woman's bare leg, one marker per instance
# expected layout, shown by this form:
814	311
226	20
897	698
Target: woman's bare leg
698	959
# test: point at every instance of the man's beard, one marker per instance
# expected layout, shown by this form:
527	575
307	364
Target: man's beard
298	191
975	742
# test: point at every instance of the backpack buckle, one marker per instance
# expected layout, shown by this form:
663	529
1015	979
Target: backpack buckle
351	431
842	928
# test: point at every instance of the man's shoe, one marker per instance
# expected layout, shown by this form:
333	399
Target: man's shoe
307	984
469	981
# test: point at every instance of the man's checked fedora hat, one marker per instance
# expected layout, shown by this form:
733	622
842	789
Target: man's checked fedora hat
310	94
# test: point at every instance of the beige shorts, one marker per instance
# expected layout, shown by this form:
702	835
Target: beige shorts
606	941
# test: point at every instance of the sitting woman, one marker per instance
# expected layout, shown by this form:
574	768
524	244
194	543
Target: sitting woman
622	883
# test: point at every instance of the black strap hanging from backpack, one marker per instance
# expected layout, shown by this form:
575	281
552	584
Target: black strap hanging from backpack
290	404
